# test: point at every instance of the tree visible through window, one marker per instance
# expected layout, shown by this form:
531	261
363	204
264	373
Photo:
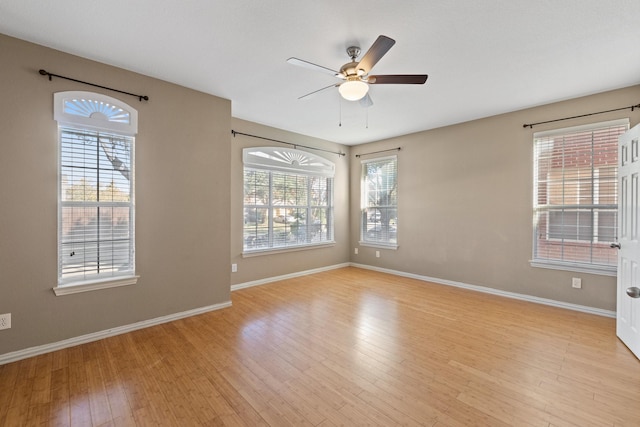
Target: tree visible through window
576	196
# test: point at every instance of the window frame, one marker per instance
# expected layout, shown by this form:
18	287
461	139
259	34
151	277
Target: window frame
100	117
594	208
366	207
288	164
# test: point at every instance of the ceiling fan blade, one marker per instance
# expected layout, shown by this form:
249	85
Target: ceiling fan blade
366	101
377	50
310	94
312	66
406	79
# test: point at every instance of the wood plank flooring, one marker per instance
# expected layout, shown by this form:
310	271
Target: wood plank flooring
346	347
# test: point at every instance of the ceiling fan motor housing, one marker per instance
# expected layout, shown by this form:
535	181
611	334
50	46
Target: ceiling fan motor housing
350	68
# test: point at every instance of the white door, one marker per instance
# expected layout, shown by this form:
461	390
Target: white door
628	310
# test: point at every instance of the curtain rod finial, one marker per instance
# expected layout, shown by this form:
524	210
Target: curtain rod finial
45	73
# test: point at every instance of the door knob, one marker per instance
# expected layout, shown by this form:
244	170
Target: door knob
633	292
615	245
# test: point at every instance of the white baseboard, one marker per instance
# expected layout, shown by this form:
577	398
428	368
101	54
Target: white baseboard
287	276
486	290
95	336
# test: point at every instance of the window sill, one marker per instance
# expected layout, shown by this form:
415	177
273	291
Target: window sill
602	271
379	245
260	252
94	285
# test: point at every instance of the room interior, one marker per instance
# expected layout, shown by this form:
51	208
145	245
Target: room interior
465	179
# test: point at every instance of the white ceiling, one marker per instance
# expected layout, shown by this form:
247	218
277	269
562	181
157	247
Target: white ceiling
483	57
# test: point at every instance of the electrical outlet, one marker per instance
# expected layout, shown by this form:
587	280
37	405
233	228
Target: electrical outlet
355	251
377	254
576	282
234	268
5	321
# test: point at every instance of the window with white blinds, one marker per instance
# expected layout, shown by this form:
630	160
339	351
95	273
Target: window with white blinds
379	213
288	199
96	240
576	197
96	205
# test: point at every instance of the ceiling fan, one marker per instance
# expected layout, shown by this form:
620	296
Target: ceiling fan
355	75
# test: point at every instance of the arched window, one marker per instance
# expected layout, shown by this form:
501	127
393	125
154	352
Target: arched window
96	242
288	199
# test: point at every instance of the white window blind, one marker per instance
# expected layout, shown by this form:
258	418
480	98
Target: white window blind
576	196
379	214
96	205
288	199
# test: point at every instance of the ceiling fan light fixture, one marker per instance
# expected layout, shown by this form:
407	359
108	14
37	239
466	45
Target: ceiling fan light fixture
353	90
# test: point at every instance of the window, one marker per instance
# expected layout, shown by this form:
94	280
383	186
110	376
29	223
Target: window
576	197
96	244
288	199
379	215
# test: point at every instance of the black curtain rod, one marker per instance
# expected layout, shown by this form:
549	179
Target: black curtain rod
46	73
234	133
381	151
632	107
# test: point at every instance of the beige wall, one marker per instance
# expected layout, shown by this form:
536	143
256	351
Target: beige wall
182	200
266	266
465	203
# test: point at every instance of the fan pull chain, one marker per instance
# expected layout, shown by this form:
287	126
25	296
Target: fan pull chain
340	110
366	118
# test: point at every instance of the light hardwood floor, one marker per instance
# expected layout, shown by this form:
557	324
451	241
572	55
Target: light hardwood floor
345	347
